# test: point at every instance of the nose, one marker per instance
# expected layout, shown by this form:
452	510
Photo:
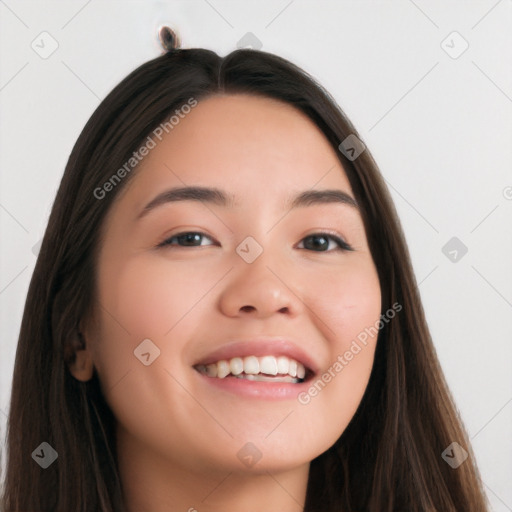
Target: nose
260	290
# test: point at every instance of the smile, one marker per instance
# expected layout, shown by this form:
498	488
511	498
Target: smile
267	368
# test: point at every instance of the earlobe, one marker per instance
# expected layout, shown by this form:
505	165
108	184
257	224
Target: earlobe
81	366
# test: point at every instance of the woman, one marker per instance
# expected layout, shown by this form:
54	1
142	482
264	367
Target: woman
285	364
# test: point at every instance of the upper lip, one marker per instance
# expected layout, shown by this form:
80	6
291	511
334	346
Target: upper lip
261	347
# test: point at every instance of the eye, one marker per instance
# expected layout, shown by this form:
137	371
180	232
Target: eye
321	241
188	238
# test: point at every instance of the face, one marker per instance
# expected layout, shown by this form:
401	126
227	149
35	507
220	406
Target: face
224	332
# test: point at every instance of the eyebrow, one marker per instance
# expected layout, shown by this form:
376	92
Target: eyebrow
221	198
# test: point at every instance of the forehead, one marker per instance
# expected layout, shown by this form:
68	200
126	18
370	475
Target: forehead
254	147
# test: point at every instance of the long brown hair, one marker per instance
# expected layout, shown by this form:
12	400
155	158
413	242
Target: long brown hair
389	456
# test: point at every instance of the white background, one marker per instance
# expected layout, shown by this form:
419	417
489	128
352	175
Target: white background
440	128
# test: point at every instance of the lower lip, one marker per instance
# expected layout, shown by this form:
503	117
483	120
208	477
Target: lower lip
254	389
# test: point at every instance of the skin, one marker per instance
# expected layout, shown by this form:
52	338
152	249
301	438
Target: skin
178	437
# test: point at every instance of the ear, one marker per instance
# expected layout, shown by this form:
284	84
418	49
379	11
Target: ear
81	365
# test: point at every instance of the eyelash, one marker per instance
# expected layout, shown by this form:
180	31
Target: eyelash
342	245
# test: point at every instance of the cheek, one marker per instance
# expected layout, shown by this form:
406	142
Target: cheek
144	298
148	295
348	303
346	299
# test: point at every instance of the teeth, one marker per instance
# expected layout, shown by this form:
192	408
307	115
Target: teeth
251	365
223	369
236	365
292	370
283	364
268	365
263	378
266	368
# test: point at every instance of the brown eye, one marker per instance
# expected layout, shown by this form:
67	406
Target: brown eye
185	239
320	242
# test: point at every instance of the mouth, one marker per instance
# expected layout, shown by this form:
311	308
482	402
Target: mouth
267	368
